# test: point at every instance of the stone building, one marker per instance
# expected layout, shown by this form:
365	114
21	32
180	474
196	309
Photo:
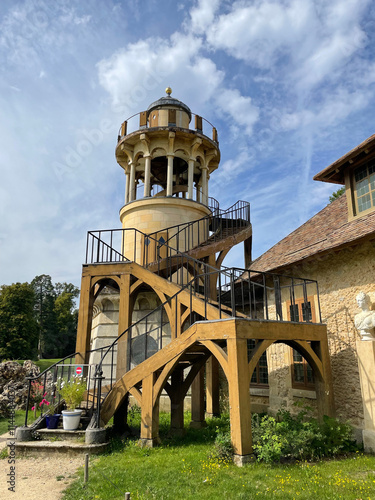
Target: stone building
336	247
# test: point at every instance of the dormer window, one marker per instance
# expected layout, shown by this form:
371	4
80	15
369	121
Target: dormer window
364	178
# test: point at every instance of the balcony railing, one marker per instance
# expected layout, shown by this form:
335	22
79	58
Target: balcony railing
139	122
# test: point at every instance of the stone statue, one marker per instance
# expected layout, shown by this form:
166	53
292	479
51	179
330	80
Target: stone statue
365	320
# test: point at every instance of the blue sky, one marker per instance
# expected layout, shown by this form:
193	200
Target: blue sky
288	84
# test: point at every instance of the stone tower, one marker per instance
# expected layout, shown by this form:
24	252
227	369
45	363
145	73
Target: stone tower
167	166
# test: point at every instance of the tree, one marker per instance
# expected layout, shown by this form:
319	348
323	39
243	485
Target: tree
43	310
18	327
337	194
66	316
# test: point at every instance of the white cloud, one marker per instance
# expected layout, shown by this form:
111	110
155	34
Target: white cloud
261	32
336	106
202	15
176	62
302	43
240	108
34	29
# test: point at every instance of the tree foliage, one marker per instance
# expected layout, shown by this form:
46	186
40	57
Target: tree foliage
337	194
56	316
18	327
38	318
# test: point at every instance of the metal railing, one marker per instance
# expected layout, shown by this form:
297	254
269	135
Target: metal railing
136	122
156	191
120	245
208	229
47	385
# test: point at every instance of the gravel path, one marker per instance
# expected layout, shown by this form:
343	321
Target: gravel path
38	478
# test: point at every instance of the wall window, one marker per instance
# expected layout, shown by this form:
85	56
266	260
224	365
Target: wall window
260	374
302	374
364	178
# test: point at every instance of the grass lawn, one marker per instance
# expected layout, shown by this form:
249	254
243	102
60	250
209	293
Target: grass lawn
42	363
184	468
19	421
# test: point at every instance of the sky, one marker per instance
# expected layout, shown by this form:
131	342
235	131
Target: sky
289	85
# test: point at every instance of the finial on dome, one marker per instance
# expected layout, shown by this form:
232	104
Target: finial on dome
168	90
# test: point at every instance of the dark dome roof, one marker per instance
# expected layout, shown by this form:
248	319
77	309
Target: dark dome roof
169	101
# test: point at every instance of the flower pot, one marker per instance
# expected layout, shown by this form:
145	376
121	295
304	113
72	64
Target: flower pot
52	421
71	419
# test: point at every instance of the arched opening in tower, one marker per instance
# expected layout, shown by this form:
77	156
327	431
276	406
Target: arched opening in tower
150	330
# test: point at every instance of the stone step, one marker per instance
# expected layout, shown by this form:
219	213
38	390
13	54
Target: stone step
48	448
60	434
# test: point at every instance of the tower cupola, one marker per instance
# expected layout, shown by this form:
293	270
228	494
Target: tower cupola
167	164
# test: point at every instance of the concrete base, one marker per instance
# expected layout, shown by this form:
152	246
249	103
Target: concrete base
212	415
197	425
24	434
149	443
95	436
369	441
177	432
241	460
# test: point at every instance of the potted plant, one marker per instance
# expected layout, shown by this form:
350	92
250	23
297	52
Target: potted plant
72	392
52	421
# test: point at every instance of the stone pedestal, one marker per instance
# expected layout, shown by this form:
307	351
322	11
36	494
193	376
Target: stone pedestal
366	365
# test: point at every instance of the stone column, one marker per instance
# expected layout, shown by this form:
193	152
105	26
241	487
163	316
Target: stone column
147	176
127	174
170	176
198	187
190	179
204	183
366	365
132	182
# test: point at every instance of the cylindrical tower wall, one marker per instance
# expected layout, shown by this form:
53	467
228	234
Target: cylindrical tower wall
153	217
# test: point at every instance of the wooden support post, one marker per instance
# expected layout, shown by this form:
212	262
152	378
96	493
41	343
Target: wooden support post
124	321
247	252
86	304
177	402
149	413
176	308
86	471
212	366
212	388
197	401
239	400
120	417
324	387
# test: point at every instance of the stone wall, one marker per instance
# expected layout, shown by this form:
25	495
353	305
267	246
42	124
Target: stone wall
14	386
341	276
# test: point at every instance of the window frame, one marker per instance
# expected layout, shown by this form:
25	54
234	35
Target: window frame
368	165
258	366
306	384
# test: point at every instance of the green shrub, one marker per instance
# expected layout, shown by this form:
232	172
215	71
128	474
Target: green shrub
298	437
223	445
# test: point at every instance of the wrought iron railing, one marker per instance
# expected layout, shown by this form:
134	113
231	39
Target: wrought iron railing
211	228
157	191
136	123
47	385
119	245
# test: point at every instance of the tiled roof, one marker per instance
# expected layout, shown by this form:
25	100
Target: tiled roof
335	171
328	230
